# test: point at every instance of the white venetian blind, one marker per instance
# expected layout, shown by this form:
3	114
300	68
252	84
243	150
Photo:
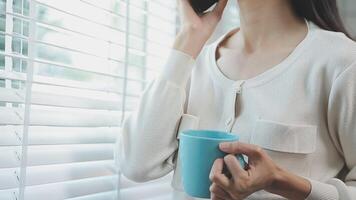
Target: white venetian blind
70	71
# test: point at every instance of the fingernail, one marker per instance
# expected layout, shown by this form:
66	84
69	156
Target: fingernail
228	157
224	146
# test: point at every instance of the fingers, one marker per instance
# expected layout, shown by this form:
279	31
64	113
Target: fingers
221	180
218	192
216	175
217	167
241	148
186	9
219	8
234	167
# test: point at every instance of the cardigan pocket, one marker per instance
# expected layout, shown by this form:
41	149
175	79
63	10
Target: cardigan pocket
287	138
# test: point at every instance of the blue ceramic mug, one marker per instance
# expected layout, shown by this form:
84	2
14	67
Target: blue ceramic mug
198	149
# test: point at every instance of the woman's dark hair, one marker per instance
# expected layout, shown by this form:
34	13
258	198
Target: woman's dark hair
324	13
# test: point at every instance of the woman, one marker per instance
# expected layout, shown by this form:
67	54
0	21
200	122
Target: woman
284	81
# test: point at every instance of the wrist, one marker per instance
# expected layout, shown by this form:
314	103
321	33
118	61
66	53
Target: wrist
290	185
278	177
190	42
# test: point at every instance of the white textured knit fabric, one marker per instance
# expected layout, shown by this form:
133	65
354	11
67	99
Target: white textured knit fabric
302	112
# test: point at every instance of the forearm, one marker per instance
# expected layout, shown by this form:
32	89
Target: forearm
149	138
290	186
149	133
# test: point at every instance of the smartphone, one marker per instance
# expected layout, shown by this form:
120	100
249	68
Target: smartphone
200	6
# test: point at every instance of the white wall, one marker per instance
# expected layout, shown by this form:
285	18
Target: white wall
348	12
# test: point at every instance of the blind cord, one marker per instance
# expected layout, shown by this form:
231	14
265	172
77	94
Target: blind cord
126	65
29	80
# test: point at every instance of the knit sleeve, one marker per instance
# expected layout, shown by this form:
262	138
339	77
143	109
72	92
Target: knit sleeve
342	125
148	141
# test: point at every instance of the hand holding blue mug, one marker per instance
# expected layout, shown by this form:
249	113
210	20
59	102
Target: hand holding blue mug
198	149
261	174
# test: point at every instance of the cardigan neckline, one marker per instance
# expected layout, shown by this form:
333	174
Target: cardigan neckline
265	76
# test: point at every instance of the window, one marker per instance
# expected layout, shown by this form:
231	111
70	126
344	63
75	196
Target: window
70	71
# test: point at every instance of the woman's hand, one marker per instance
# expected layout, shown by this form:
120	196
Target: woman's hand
261	174
195	29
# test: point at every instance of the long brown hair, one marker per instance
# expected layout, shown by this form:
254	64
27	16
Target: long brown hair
324	13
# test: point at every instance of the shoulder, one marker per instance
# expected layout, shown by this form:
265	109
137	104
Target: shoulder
207	54
338	50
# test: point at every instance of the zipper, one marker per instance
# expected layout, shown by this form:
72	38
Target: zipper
237	90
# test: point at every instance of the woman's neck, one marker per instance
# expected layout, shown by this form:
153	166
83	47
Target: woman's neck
265	21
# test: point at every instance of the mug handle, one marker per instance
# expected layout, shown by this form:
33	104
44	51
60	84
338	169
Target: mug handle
243	164
242	161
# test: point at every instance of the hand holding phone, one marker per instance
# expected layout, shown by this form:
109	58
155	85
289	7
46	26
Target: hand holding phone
197	28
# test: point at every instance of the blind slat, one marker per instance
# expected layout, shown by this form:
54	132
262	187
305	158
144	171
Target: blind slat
42	135
112	195
72	189
40	175
101	87
166	4
12	75
102	35
12	95
40	63
9	194
40	98
97	86
68	135
8	179
68	9
75	102
10	135
9	157
56	154
61	117
12	116
50	154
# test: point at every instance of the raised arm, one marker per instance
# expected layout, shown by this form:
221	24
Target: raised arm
148	140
